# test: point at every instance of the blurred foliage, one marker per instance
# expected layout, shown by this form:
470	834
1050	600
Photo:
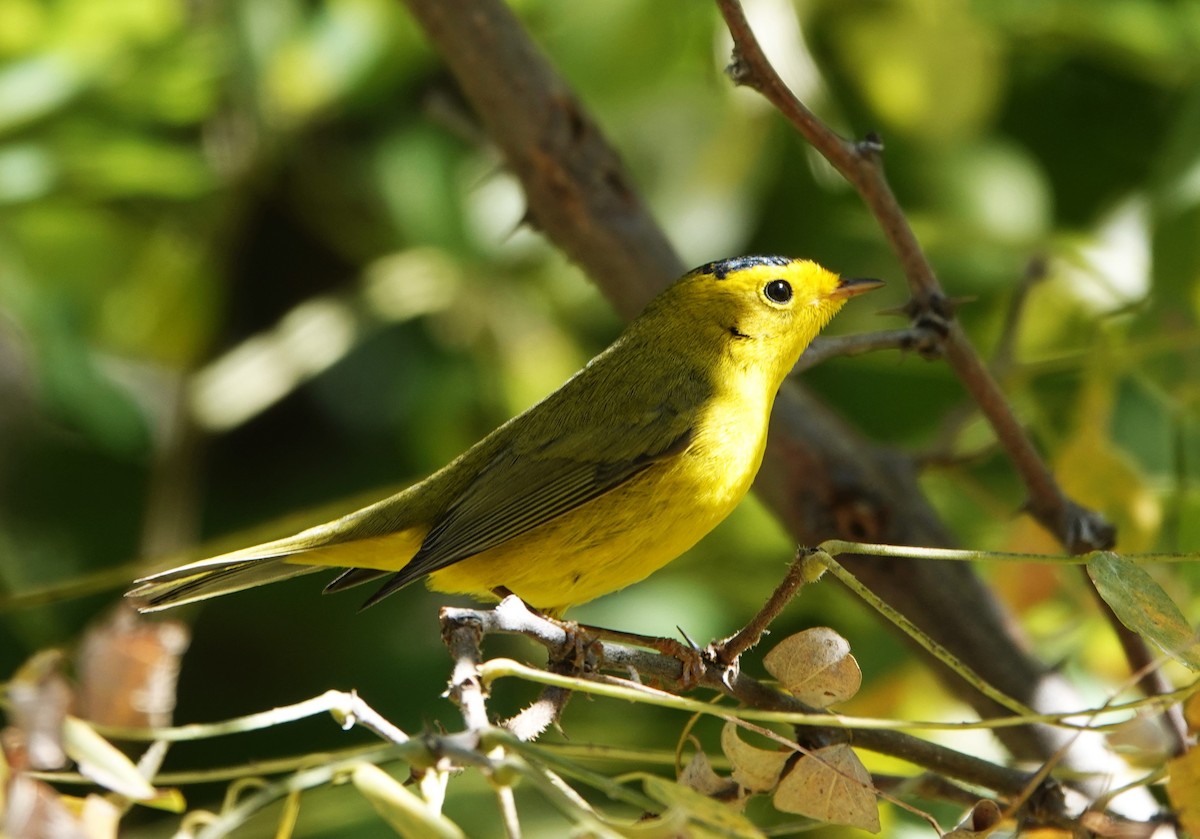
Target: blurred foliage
257	257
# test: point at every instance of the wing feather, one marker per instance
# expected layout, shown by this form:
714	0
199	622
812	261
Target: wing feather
516	493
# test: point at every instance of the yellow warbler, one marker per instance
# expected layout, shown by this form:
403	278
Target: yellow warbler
619	471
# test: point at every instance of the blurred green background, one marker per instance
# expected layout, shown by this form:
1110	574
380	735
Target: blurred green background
257	258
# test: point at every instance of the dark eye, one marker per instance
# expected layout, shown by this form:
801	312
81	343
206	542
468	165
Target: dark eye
778	291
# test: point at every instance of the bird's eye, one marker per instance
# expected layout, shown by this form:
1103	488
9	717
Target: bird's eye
778	291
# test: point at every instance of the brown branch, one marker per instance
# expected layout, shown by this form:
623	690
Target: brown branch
728	651
1079	529
512	617
924	342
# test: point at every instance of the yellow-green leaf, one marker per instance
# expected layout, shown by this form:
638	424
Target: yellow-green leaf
103	762
754	769
1141	604
406	812
700	808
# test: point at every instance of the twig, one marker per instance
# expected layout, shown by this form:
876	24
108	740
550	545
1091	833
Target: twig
926	785
511	617
1079	529
728	651
462	638
508	811
234	817
942	452
347	708
924	342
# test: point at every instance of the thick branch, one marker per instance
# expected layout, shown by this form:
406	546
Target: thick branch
578	192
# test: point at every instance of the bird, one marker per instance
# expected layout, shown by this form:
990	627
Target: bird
622	469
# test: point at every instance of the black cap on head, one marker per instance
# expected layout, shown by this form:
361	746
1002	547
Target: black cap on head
723	267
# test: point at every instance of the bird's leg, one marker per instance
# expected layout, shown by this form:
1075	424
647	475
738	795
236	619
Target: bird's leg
690	656
582	648
578	652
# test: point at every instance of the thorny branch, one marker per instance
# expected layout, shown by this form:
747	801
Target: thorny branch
1077	528
461	627
923	342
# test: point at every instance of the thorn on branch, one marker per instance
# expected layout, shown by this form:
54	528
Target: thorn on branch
870	146
932	311
1087	530
545	711
738	69
1079	529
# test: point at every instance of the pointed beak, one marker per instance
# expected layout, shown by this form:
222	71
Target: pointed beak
852	287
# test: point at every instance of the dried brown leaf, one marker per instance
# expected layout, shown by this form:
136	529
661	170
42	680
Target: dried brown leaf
815	666
699	775
39	697
128	668
830	785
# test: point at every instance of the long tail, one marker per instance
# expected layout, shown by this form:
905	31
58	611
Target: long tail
247	568
364	546
369	543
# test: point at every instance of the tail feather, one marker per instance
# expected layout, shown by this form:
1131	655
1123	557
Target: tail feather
376	551
352	577
235	571
211	578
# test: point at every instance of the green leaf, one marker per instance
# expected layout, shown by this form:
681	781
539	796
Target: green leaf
702	811
1141	604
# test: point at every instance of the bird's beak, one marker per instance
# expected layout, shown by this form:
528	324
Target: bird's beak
854	286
